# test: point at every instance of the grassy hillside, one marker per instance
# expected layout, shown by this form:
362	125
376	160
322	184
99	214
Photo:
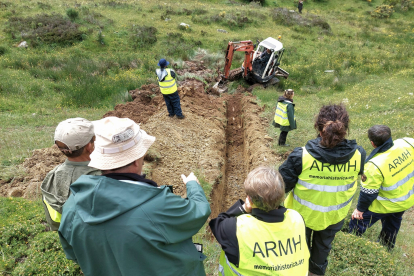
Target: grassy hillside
82	58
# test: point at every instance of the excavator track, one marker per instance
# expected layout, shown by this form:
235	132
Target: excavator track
235	74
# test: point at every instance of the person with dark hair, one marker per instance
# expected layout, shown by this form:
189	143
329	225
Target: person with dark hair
387	189
122	223
74	138
322	176
285	116
168	86
300	6
255	235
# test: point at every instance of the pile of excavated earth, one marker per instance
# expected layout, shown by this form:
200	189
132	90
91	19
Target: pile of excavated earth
222	138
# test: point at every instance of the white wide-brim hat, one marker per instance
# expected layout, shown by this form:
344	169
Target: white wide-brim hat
119	142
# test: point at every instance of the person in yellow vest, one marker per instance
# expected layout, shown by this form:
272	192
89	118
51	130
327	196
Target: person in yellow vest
388	190
260	237
322	176
75	138
285	116
168	86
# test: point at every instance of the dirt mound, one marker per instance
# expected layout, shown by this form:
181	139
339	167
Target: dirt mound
36	168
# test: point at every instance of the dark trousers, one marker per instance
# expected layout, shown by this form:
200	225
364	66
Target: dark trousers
172	101
320	244
282	137
391	224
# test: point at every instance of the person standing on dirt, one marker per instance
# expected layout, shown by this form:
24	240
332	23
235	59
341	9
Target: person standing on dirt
253	233
285	116
168	86
322	176
121	223
387	188
300	6
75	138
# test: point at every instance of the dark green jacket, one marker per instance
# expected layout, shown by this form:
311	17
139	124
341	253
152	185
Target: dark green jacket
290	113
112	227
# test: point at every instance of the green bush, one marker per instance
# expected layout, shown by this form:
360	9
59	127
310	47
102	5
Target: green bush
383	11
3	50
44	28
142	36
359	256
72	14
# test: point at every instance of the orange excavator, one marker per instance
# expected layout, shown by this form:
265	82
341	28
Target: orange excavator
259	66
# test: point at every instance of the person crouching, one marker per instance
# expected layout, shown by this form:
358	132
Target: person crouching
260	236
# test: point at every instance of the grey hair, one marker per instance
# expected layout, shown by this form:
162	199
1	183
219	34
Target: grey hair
379	134
265	187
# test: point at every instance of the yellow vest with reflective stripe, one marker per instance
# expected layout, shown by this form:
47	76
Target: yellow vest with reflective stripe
281	116
396	193
169	85
324	192
54	215
269	248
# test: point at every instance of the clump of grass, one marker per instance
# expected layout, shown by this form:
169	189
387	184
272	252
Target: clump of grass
3	50
382	11
44	6
232	20
72	14
143	36
284	17
44	29
179	46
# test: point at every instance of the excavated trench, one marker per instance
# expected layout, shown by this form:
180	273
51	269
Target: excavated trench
231	187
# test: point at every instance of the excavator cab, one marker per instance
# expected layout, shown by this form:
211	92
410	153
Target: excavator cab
264	67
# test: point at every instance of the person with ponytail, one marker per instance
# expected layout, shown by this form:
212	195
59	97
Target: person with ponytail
322	180
285	116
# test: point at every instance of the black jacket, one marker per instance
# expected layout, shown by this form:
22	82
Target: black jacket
224	227
340	154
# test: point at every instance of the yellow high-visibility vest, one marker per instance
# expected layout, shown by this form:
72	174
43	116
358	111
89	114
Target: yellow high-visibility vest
269	248
396	165
281	116
54	215
324	192
169	85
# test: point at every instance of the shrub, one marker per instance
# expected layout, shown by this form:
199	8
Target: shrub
406	5
3	50
282	16
356	255
44	6
143	36
383	11
72	14
44	28
390	2
179	46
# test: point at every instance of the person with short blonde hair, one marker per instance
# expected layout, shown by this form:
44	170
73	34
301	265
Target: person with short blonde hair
259	235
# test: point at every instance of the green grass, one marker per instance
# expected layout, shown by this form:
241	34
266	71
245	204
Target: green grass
372	59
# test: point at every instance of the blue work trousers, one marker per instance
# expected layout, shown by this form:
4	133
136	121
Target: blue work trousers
391	224
172	101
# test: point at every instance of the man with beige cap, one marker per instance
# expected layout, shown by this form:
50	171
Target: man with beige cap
121	223
75	138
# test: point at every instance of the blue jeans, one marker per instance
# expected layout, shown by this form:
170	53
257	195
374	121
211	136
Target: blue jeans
172	101
391	224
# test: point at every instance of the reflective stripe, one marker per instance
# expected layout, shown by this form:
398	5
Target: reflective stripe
399	183
169	80
232	269
169	86
281	110
398	199
320	208
325	188
285	118
221	270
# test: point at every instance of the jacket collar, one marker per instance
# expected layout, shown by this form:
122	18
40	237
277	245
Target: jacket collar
383	148
276	215
132	177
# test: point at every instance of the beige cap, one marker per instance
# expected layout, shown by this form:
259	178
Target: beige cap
119	142
75	133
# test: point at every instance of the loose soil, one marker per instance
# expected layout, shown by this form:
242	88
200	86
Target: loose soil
222	138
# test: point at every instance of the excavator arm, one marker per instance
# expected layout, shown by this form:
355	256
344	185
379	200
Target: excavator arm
247	47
